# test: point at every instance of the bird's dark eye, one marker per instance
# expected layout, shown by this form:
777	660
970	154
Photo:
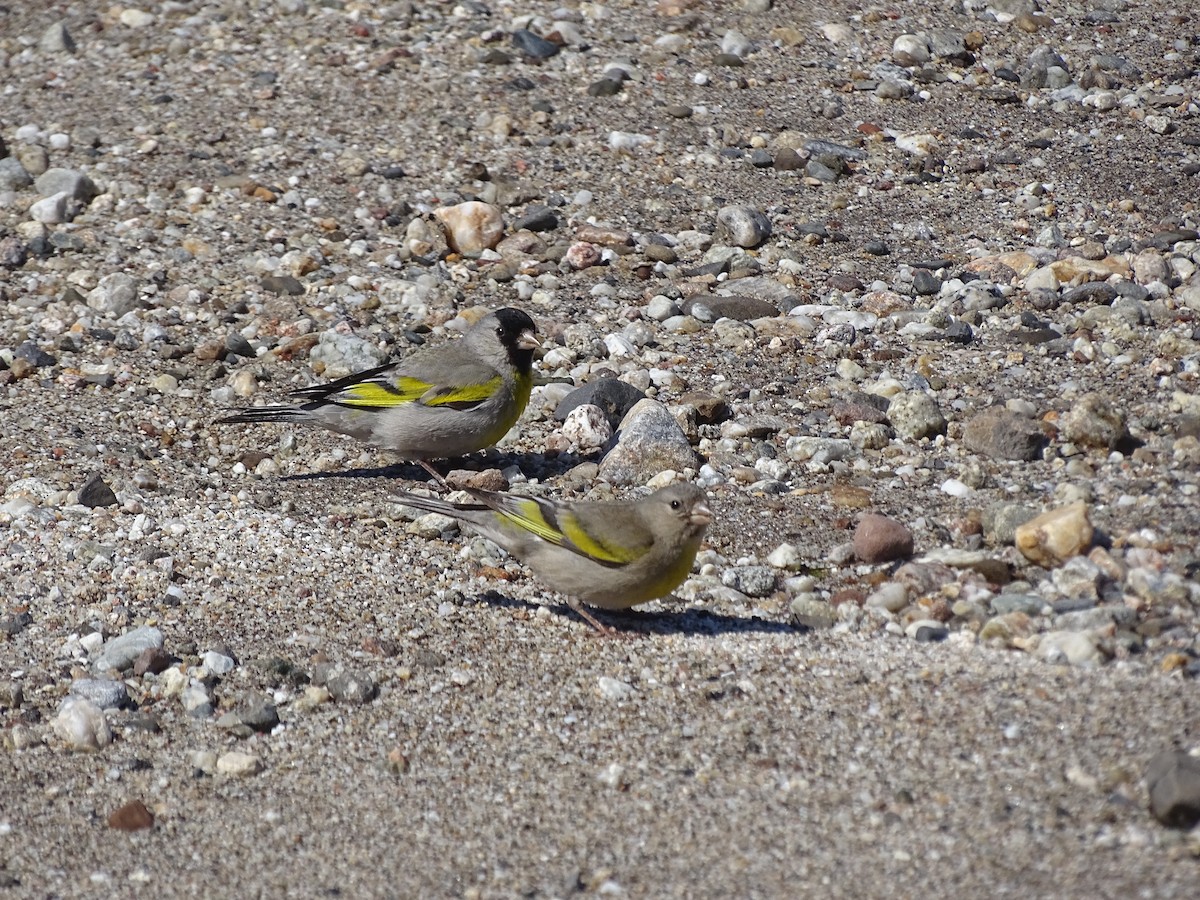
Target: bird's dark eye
676	504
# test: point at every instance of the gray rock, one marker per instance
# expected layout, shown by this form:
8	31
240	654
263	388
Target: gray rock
12	695
615	398
1001	520
533	45
753	581
1029	604
106	693
121	652
744	225
1003	434
34	355
95	493
13	176
73	183
807	611
1173	780
218	663
742	308
53	210
648	441
348	686
115	295
915	415
1095	421
56	39
257	714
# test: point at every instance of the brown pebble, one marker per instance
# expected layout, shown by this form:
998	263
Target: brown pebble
881	539
133	816
153	660
485	480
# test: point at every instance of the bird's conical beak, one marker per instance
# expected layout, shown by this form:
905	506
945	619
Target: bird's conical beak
701	514
527	340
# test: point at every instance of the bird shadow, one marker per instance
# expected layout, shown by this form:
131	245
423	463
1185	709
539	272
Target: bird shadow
633	622
543	465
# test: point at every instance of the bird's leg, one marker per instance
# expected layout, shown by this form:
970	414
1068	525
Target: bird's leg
602	630
432	471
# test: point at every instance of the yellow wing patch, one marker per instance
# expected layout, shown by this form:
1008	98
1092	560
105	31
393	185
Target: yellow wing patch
563	528
406	389
464	396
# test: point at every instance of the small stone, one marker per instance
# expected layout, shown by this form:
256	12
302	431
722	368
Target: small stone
583	255
256	715
1056	535
56	39
741	308
11	695
1078	648
807	611
133	816
1001	520
915	415
115	295
744	225
75	184
753	581
136	18
1028	604
34	355
533	45
53	210
927	631
1003	434
95	493
218	663
910	50
648	441
120	652
613	688
1095	421
616	398
471	227
786	557
349	687
152	660
286	285
587	427
892	596
238	764
879	539
1173	781
105	693
13	175
81	724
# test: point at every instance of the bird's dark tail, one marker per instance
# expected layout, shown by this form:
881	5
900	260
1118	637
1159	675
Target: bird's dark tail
267	414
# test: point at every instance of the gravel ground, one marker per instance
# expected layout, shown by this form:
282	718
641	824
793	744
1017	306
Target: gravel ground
917	288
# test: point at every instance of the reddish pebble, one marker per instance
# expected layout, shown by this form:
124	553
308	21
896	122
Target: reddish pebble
133	816
881	539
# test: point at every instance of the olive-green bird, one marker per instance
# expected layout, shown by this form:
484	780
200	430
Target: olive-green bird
443	401
611	555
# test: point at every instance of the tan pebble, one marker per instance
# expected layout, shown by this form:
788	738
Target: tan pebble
238	763
1056	535
471	227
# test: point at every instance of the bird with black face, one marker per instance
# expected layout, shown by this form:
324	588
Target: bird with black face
443	401
611	555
